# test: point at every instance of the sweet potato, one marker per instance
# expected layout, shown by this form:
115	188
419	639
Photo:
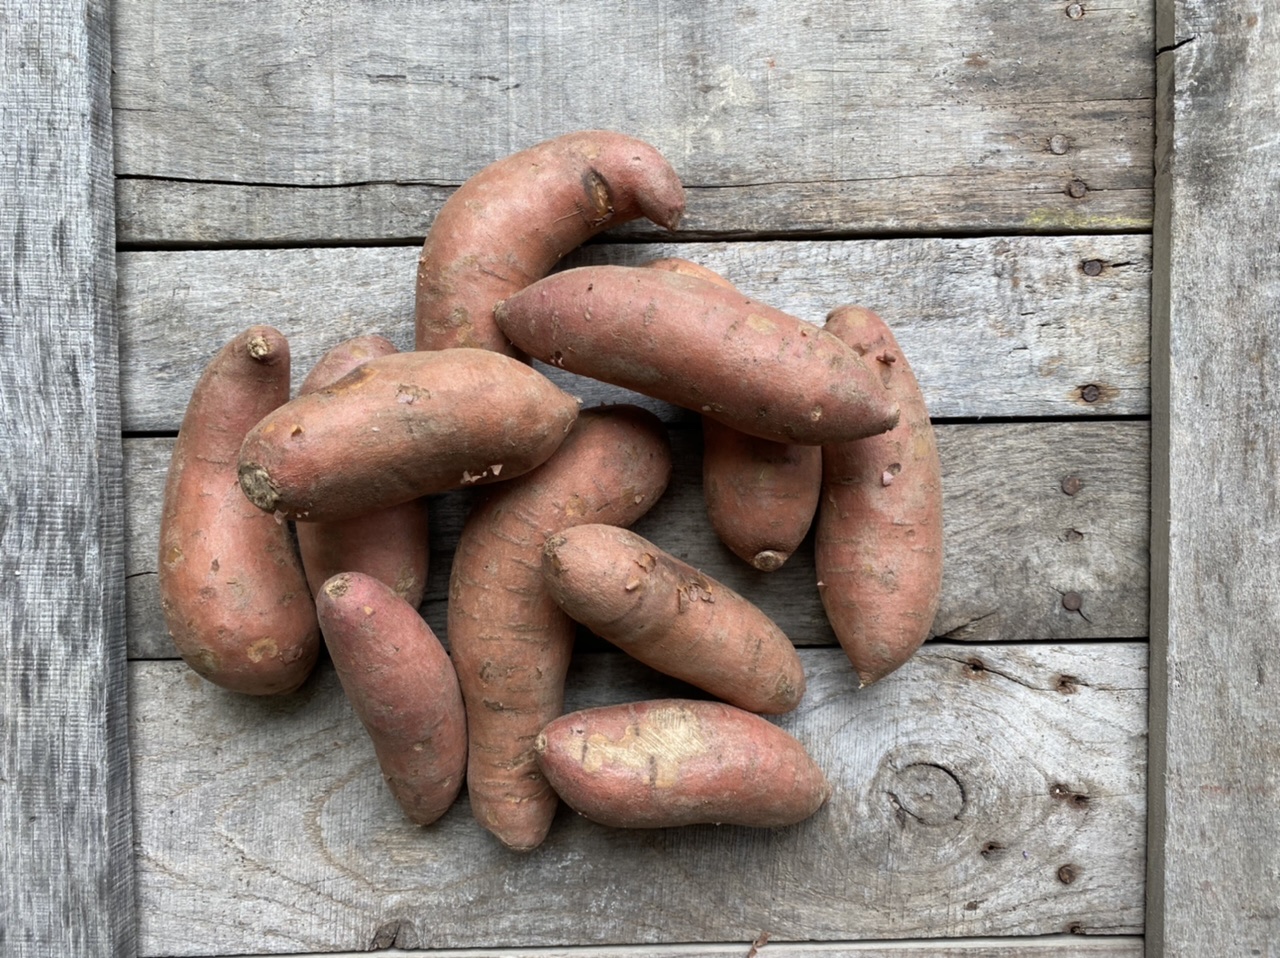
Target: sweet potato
510	641
232	590
400	427
511	223
402	687
761	495
878	544
670	616
702	346
391	544
674	762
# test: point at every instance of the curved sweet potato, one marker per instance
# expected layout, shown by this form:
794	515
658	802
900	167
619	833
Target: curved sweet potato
702	346
391	544
670	616
400	427
674	762
878	544
510	641
231	587
512	222
403	689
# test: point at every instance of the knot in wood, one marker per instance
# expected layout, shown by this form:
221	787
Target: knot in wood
930	794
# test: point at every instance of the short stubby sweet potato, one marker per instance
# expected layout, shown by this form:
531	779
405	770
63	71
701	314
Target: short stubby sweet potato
400	427
391	544
512	222
878	540
403	688
510	641
703	346
671	617
672	762
232	590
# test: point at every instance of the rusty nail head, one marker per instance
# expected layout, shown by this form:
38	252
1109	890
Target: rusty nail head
1075	11
1072	601
1066	874
1058	144
1092	267
1090	393
1072	484
1077	189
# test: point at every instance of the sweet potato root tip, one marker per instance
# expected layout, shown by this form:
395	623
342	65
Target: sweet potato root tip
769	560
259	348
258	487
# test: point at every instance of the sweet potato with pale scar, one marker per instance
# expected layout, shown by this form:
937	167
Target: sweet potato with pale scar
878	545
670	616
675	762
232	589
391	544
510	641
400	427
402	687
512	222
702	346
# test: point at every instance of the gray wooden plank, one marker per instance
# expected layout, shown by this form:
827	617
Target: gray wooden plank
65	826
1009	326
990	791
344	121
1015	543
1215	720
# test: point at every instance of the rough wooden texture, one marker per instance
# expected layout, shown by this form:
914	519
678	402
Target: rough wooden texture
978	792
1016	544
344	121
1011	326
65	832
1215	721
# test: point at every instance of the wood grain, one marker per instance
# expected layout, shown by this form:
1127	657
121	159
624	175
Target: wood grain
1215	799
343	121
1015	543
65	827
1010	326
990	792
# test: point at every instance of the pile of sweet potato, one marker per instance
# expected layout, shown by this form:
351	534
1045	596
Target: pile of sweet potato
798	421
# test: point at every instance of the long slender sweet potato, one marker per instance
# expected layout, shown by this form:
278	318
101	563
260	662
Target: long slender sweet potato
878	545
391	544
702	346
232	589
512	222
402	687
510	641
761	495
674	762
400	427
670	616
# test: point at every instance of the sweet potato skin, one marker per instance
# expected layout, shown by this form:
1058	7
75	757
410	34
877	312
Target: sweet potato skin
391	544
672	762
702	346
403	688
673	618
511	643
878	543
400	427
512	222
232	589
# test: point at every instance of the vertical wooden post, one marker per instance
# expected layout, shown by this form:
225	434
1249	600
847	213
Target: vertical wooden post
1214	836
66	869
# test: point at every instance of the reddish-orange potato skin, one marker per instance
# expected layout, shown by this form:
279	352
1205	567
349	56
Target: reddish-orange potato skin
231	587
510	641
671	617
402	687
673	762
400	427
878	544
390	545
703	346
512	222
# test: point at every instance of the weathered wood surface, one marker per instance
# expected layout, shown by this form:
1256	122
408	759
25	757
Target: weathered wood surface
352	120
65	834
1012	326
997	791
1015	543
1215	801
